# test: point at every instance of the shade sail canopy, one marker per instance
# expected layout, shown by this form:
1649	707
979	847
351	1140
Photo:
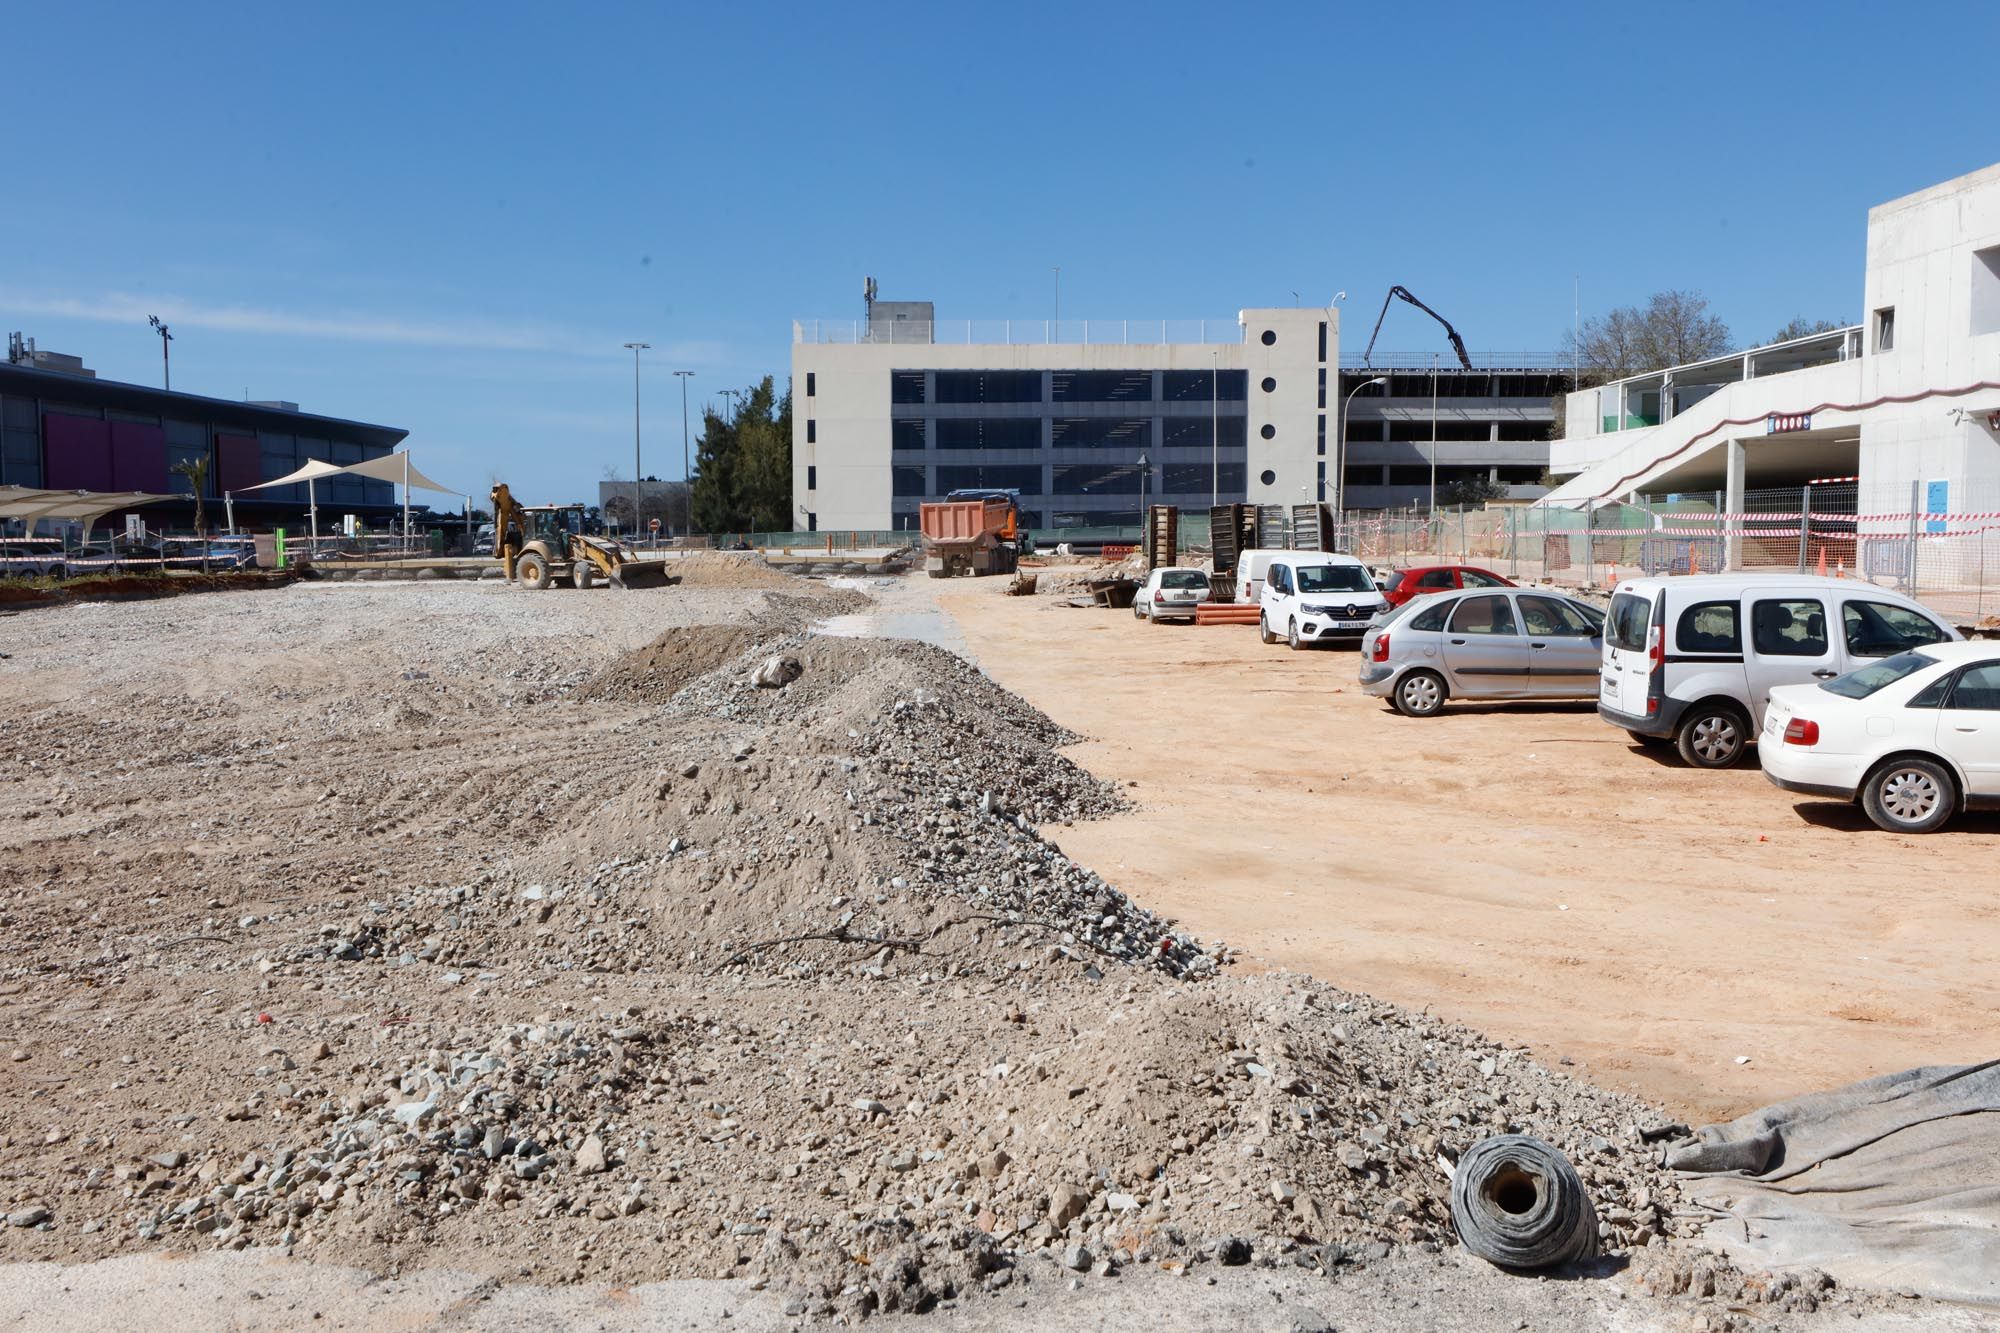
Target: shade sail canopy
397	467
29	503
312	471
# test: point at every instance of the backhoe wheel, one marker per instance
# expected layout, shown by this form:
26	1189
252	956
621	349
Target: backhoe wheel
586	574
531	571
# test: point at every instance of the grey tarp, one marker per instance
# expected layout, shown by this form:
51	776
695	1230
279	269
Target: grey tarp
1891	1182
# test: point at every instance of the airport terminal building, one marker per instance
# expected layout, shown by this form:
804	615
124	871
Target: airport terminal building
63	428
1087	417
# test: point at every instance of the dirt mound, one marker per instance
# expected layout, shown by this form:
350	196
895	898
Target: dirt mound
728	569
657	672
136	587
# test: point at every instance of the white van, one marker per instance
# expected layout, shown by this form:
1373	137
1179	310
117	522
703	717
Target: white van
1248	577
1315	596
1693	658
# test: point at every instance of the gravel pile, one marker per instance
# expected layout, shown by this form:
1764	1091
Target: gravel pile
384	934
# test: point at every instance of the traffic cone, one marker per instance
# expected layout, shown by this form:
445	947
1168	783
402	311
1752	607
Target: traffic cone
1694	560
1842	573
1822	562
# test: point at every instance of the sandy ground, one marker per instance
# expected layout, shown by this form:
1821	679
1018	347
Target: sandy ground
1447	1293
1523	868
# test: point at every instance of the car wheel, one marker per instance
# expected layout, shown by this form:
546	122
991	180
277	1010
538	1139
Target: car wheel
1910	796
1420	694
1712	736
586	575
531	571
1292	635
1264	629
1138	610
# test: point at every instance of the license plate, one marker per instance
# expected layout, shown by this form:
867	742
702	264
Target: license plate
1350	624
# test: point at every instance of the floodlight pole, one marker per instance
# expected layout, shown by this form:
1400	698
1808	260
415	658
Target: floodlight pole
166	369
638	484
687	478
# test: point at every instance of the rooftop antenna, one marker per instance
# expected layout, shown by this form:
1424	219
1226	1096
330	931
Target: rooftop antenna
166	370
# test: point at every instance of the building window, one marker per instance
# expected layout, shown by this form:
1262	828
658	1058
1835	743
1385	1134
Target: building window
1270	337
1986	291
988	386
1322	341
1885	329
812	384
1269	385
812	431
906	481
907	433
906	386
812	521
812	477
1201	386
1195	432
1268	477
1101	386
978	433
1201	479
1321	449
1322	388
1026	480
1100	433
1268	431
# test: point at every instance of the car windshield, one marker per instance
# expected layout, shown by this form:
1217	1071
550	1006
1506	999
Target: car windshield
1183	578
1864	682
1334	578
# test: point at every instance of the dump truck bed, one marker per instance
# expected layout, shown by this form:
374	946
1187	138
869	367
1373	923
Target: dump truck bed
962	520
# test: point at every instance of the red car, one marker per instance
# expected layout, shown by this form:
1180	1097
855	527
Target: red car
1410	583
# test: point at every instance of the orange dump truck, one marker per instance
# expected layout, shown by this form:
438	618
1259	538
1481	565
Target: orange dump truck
972	532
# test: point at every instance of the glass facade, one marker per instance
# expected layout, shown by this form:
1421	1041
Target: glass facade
1068	440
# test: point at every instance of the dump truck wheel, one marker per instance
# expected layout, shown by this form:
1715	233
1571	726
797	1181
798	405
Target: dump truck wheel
531	571
586	575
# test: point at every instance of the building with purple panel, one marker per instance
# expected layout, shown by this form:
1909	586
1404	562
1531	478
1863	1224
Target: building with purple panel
63	428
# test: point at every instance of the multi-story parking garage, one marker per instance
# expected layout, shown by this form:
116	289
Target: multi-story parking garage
1087	417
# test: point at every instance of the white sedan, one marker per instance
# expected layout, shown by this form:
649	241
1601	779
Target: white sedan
1915	738
1170	593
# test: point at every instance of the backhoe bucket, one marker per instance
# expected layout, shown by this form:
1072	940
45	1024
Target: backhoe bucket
641	574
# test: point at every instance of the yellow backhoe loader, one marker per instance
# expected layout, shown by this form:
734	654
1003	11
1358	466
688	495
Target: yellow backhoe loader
542	544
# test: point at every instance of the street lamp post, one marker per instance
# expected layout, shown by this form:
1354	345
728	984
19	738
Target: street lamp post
1340	445
687	477
638	474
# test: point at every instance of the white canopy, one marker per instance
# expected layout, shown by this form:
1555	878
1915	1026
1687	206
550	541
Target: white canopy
312	471
396	468
29	503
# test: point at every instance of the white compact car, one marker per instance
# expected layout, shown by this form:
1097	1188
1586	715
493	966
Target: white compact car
1170	593
1914	738
1690	659
1315	596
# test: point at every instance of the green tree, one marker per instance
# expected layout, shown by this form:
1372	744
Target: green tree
196	471
743	464
1472	491
1801	327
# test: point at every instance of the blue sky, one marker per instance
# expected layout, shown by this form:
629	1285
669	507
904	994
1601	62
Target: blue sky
449	218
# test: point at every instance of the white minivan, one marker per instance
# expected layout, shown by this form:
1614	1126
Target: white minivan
1693	658
1317	596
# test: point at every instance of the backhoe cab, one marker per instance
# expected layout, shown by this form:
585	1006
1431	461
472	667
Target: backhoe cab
542	544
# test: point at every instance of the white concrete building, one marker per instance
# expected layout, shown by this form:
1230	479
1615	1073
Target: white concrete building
1908	401
901	407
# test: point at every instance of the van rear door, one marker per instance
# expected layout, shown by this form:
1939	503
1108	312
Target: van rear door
1627	668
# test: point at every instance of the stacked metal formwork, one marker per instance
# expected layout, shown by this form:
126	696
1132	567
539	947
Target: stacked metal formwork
1162	539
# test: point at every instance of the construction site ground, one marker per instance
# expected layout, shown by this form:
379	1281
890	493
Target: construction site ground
1524	868
441	949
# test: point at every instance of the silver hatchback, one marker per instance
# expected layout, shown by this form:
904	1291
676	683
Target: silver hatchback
1484	643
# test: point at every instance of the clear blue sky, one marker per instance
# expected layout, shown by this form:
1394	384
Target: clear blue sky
448	218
